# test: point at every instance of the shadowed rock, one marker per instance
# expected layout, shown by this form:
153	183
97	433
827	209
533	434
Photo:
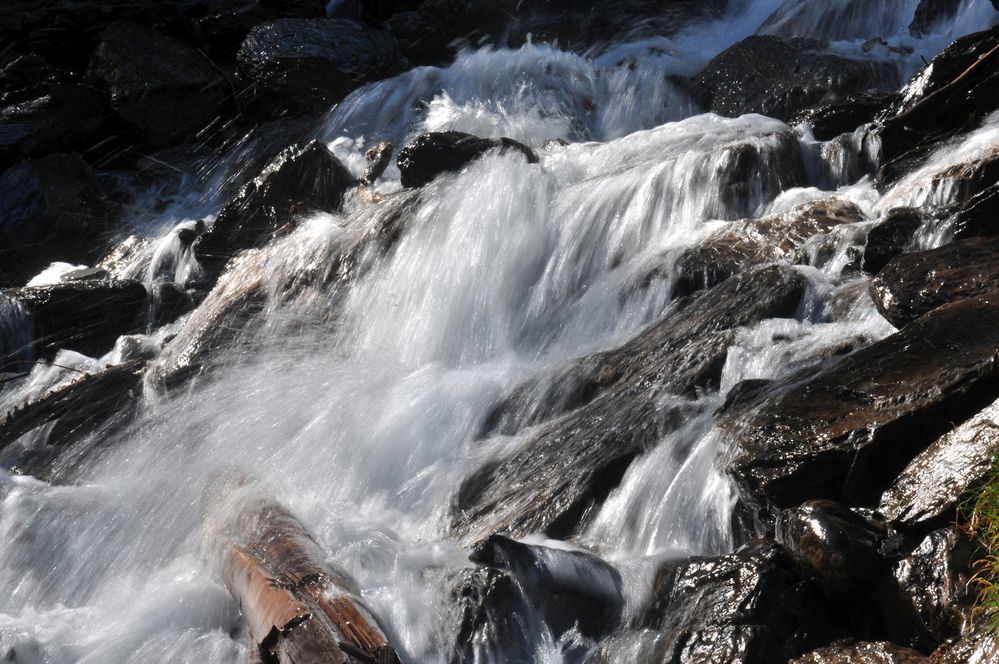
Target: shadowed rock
300	180
979	216
846	432
430	155
842	116
783	77
163	87
571	464
930	488
862	652
979	645
914	284
890	237
490	614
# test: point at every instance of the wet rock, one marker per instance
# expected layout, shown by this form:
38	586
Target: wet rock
913	284
570	465
50	116
862	652
299	180
570	588
163	87
783	77
890	238
929	13
930	488
938	577
951	95
837	547
379	157
79	408
750	606
491	615
310	64
51	209
979	216
846	432
85	316
979	645
844	115
431	154
774	238
227	22
169	302
123	255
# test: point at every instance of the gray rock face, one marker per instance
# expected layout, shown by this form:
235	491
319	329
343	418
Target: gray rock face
929	489
846	432
51	209
571	464
913	284
163	87
310	64
783	77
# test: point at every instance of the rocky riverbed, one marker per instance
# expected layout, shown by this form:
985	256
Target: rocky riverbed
517	331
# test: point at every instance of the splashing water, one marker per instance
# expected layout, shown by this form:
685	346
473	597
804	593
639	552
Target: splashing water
357	392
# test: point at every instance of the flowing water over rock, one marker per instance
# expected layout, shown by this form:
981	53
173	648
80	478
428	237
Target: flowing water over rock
370	364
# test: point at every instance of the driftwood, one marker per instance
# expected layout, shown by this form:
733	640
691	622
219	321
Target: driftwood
297	609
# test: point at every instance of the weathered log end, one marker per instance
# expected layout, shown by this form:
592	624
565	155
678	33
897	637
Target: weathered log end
297	609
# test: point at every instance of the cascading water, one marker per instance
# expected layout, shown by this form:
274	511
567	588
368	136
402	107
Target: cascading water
359	403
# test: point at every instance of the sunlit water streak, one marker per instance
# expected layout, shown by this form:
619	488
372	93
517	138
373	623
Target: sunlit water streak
359	404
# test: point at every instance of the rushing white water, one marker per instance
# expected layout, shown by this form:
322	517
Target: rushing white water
359	403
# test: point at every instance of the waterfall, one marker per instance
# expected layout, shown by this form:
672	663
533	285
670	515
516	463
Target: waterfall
361	381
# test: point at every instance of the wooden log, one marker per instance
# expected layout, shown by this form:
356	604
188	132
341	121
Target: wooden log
298	610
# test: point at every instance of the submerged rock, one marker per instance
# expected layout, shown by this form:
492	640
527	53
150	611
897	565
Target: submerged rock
430	155
846	432
310	64
86	316
51	209
301	179
862	652
783	77
163	87
913	284
931	487
750	606
890	237
571	464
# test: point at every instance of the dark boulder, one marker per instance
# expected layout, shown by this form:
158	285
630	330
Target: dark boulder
431	154
890	237
950	95
750	606
979	216
570	465
929	490
227	22
842	116
310	64
493	620
783	77
51	209
862	652
78	408
846	432
569	588
835	546
299	180
86	316
50	116
161	86
913	284
938	579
